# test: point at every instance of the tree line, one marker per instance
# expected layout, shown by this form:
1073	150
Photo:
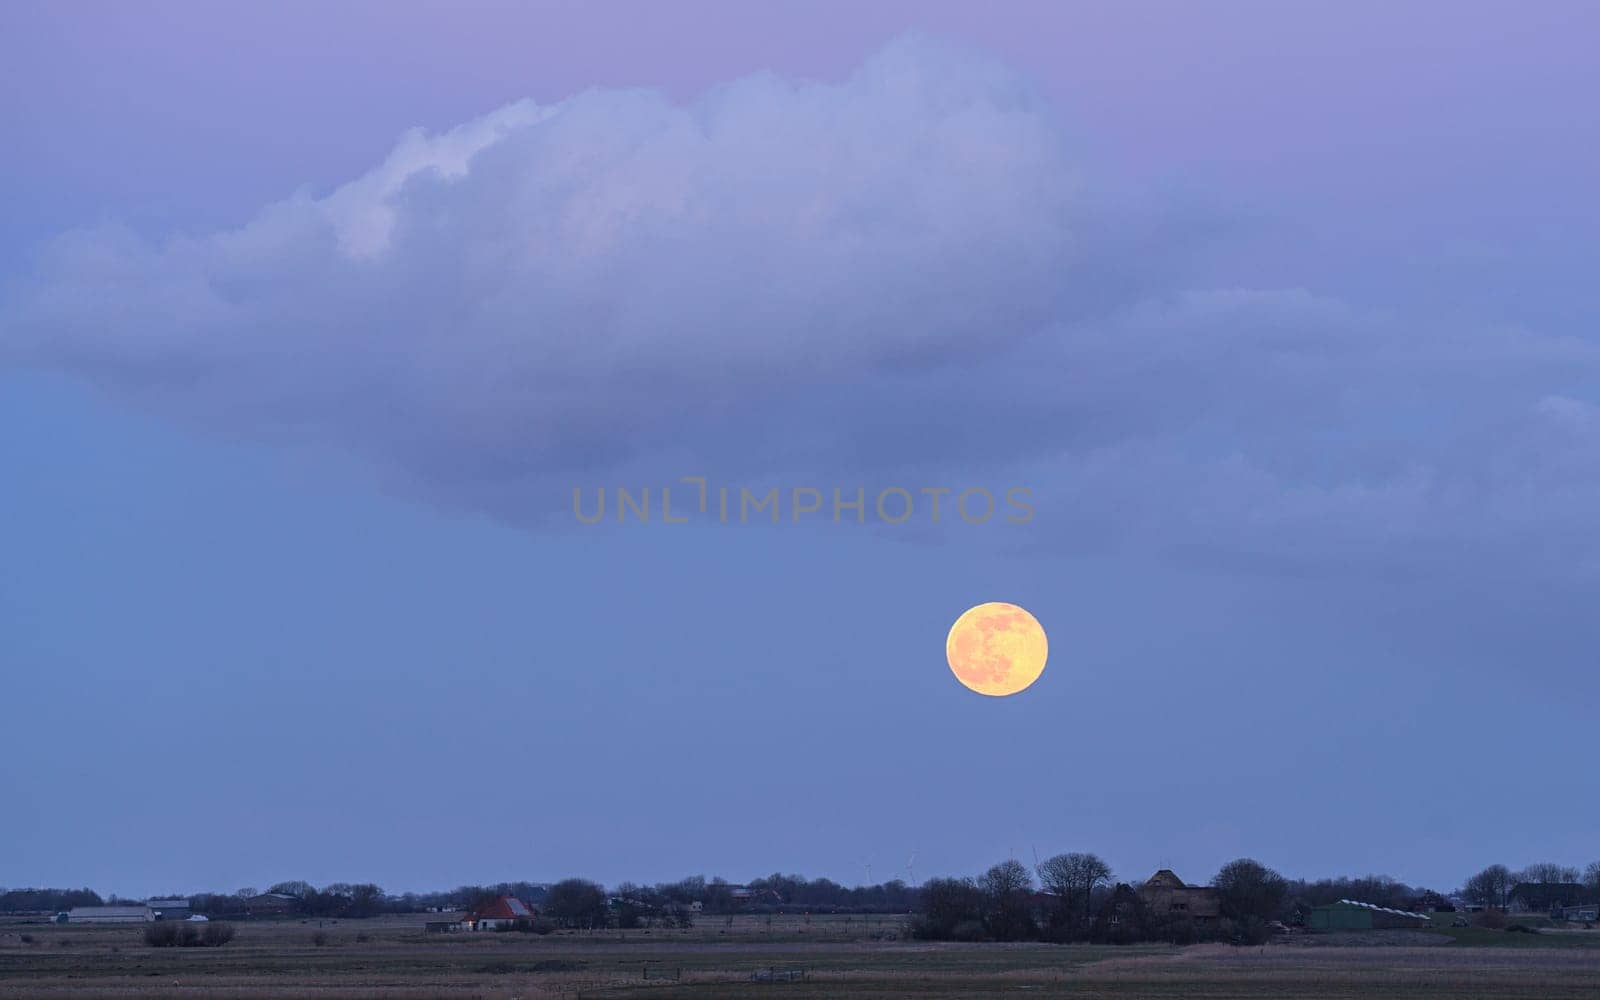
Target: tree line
1076	899
1061	898
573	902
1493	886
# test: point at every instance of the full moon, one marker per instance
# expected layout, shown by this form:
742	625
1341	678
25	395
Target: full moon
996	649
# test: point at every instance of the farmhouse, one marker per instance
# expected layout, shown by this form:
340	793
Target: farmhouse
1349	915
110	915
1119	913
1165	896
505	911
1543	897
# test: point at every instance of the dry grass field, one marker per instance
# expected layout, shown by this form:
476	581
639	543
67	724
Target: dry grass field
394	958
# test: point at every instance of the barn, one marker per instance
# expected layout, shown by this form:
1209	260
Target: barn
110	915
1349	915
169	909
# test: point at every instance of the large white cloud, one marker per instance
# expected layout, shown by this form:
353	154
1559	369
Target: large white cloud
902	276
577	282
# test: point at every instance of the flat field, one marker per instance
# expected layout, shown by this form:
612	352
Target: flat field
394	958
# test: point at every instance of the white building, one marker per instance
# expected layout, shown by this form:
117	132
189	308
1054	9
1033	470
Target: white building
507	911
110	914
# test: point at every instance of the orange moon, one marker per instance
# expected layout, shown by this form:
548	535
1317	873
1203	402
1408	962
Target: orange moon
996	649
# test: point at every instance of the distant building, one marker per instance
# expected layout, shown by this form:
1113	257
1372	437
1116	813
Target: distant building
110	915
506	911
272	904
1166	897
1121	913
1544	897
1588	913
1349	915
169	909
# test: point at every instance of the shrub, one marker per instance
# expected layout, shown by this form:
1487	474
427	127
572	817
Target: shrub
969	930
1250	931
319	939
171	934
26	938
578	904
1492	919
1180	932
946	905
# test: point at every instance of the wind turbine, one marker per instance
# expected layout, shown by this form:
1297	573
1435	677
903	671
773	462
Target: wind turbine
911	874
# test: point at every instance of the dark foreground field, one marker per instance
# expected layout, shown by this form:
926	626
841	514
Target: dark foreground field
393	958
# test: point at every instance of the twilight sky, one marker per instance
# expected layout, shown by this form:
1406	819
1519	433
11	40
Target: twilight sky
312	320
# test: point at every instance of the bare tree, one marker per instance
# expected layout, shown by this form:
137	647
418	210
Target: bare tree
577	903
1490	887
1006	878
1250	890
1546	873
1070	876
949	906
1591	880
1007	908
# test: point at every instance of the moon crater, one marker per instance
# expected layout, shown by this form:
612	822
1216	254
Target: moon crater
996	649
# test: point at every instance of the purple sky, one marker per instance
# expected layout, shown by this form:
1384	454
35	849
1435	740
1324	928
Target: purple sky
1283	311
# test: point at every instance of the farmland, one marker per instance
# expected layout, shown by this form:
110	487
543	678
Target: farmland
393	958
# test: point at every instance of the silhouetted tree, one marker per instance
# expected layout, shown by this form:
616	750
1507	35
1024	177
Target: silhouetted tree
1073	878
1591	880
1490	887
47	900
949	905
1250	890
577	903
1546	873
1007	902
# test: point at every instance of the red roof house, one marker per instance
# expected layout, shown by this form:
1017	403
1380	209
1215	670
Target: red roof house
505	911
